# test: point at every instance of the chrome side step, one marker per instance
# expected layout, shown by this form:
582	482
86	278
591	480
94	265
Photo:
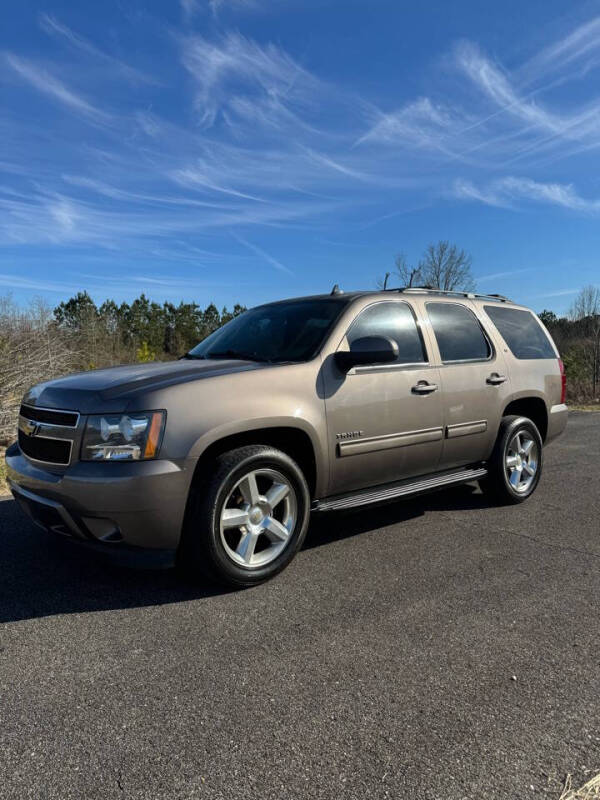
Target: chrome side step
391	491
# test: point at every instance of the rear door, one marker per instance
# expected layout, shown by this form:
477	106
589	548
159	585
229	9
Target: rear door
384	422
474	380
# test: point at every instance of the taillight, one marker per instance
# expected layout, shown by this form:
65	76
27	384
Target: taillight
563	381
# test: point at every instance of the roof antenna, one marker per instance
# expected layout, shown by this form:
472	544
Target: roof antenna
385	280
336	290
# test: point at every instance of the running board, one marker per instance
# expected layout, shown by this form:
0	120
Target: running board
392	491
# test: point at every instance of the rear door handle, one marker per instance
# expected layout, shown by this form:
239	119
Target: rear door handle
422	387
495	379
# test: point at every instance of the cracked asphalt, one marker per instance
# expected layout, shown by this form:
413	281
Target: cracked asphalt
435	649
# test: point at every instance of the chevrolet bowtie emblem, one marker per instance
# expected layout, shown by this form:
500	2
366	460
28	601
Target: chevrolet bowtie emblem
29	427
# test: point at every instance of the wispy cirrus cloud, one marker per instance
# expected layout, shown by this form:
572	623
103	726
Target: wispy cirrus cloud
51	86
52	26
561	292
218	5
260	252
421	124
191	7
504	192
97	283
233	67
256	139
499	116
579	50
582	125
496	276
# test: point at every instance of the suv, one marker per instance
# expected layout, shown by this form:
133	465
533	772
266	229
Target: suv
318	403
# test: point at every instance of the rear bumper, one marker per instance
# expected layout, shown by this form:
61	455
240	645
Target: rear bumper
557	421
109	506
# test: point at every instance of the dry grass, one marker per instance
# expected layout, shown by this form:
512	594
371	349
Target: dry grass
590	791
3	484
594	407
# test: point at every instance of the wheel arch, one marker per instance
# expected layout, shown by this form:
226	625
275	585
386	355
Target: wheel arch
293	440
532	407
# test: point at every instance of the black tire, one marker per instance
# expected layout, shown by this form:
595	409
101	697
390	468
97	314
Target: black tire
497	484
203	551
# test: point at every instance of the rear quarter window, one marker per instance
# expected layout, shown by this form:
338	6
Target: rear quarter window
522	332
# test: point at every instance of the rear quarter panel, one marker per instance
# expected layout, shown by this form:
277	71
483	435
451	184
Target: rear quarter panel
531	377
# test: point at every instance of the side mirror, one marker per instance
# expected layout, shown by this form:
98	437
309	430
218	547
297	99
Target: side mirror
366	351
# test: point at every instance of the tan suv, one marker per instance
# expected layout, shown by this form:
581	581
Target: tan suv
324	403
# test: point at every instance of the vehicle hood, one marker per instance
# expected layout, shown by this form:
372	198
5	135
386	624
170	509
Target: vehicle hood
111	389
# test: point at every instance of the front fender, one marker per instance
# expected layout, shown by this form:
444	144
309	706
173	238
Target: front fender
255	425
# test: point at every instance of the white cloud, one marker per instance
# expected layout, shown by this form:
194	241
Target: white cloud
495	84
13	281
217	5
504	191
466	190
279	146
53	27
262	254
44	82
267	72
502	121
580	48
498	275
197	178
188	8
419	124
560	292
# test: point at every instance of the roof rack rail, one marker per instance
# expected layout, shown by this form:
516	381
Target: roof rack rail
450	293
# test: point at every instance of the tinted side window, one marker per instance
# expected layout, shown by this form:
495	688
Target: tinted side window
396	321
458	333
521	331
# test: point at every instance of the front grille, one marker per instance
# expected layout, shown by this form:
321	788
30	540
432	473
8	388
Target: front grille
53	451
67	418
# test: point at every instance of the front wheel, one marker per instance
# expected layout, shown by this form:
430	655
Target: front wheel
515	467
246	523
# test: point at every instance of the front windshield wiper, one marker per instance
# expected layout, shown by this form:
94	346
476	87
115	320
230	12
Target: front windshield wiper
238	354
191	356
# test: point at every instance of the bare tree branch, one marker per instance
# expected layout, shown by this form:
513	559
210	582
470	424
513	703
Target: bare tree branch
444	266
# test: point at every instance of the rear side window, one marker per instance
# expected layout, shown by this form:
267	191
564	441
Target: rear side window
396	321
459	335
521	331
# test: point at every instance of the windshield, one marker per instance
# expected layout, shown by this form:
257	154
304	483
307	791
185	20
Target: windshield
292	331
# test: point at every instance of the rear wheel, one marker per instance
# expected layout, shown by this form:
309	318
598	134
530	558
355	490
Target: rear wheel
246	523
516	464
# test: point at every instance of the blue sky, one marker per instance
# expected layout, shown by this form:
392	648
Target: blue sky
247	150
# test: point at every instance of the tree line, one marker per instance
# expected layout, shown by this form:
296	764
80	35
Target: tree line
139	331
38	343
577	336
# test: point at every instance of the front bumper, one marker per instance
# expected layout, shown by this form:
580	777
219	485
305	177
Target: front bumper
111	505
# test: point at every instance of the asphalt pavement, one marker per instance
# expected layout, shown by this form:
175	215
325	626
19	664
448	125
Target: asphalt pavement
439	648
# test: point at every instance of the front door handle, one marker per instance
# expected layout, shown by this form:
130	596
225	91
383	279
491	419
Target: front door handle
422	387
495	379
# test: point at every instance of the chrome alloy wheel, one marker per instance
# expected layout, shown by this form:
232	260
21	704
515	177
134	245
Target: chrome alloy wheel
521	461
258	517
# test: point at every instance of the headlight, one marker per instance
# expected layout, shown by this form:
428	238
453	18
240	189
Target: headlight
122	437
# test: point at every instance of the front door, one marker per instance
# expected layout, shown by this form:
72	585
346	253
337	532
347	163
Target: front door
384	422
